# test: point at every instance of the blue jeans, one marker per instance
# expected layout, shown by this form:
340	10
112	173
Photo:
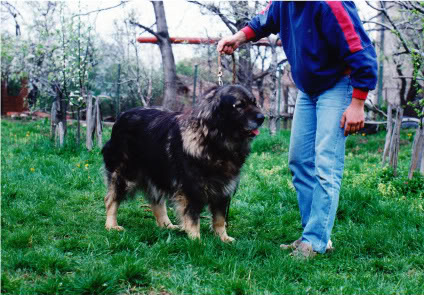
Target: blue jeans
316	159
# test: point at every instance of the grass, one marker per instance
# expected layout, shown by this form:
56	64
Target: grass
54	241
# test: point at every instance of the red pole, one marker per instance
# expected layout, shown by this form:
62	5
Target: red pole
193	40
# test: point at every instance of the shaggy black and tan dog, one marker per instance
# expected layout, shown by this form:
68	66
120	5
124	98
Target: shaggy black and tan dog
191	159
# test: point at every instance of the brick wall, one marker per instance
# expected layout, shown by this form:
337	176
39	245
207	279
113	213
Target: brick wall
13	103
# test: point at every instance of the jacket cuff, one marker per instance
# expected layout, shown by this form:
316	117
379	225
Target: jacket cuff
250	34
359	93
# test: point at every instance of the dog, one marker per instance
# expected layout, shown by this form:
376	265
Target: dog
191	159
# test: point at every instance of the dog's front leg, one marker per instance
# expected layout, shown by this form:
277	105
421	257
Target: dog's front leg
218	220
191	226
190	223
161	215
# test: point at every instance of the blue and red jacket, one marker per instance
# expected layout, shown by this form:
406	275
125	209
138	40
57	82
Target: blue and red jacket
323	40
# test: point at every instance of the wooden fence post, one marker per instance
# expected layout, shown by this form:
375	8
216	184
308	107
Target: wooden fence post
99	129
422	159
389	133
417	158
89	122
94	122
395	141
58	122
53	121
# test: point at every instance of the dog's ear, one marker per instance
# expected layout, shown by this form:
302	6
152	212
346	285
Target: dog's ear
228	100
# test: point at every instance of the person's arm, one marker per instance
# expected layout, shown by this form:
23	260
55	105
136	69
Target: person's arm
262	25
228	44
343	29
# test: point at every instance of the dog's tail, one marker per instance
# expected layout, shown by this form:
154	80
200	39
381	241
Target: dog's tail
111	156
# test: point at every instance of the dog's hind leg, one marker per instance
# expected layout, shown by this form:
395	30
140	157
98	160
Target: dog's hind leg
217	209
112	200
190	222
160	212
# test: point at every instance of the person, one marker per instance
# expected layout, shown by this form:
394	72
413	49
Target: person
334	66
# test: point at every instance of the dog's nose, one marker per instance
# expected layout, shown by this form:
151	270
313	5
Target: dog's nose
260	118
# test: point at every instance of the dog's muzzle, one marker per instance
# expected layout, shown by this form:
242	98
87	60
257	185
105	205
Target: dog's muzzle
255	124
260	118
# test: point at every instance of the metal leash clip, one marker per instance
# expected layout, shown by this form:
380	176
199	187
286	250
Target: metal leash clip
219	75
220	78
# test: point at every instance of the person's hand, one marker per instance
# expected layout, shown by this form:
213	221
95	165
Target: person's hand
354	117
228	44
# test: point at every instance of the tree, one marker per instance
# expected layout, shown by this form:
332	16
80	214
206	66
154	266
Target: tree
169	70
405	20
273	116
235	15
137	79
12	11
56	59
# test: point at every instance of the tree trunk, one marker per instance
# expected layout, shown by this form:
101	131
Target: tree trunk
260	86
58	118
99	128
53	120
388	134
381	57
170	74
273	99
407	92
244	71
60	133
394	146
417	158
245	66
90	115
78	126
285	106
422	160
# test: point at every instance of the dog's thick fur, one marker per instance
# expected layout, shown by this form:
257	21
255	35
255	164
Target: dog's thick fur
191	159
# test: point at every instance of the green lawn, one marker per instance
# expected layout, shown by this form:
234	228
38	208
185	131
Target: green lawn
54	241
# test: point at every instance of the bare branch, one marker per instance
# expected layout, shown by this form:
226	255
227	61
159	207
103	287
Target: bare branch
378	23
147	29
372	107
212	8
410	5
373	7
264	73
406	77
101	9
394	26
14	13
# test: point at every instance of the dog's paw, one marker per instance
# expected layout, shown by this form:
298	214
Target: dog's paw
114	227
227	239
193	236
173	226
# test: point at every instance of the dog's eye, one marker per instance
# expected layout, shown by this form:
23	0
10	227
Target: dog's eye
239	105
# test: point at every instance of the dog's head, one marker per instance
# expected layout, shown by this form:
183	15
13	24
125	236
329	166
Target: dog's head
234	108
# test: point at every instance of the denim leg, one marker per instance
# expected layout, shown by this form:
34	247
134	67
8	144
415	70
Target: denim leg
302	153
329	163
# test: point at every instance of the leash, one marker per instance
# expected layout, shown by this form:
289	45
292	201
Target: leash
220	83
219	75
